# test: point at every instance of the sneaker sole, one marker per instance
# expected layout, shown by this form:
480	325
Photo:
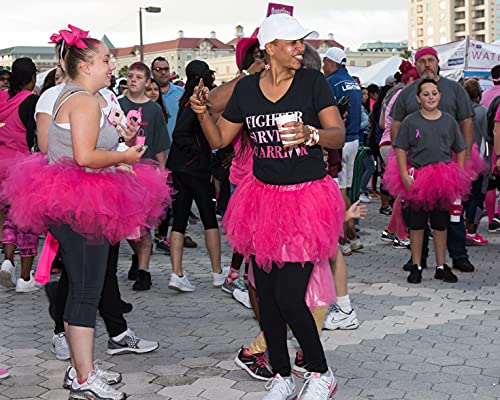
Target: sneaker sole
243	366
180	290
6	280
60	358
27	290
89	395
3	376
115	352
357	248
387	240
344	327
227	290
301	371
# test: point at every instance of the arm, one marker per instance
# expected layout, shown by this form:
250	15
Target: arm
84	117
467	129
395	130
162	158
403	168
332	134
42	131
26	113
381	121
461	159
218	97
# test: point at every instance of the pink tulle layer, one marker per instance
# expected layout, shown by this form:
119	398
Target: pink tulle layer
321	288
475	165
436	186
292	223
111	204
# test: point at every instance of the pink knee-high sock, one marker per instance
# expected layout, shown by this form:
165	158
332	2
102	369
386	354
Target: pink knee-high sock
489	202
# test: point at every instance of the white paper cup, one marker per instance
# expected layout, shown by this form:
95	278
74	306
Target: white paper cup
284	119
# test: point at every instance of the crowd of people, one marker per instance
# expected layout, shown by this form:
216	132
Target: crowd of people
284	154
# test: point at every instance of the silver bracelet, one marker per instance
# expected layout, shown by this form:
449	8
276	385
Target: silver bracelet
314	138
245	72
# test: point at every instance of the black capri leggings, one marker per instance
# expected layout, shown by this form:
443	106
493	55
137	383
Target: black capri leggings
197	187
85	264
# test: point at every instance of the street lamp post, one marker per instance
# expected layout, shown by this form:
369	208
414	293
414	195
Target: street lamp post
149	10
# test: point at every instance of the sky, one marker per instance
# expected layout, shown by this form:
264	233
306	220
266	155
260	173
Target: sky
31	22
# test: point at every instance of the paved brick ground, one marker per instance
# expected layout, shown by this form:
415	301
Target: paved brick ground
430	341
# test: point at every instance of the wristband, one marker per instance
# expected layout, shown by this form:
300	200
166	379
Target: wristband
245	72
314	138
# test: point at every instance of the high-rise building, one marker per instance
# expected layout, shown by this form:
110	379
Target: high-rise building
433	22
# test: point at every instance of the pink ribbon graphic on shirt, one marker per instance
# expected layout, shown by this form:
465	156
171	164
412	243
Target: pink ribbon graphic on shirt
418	135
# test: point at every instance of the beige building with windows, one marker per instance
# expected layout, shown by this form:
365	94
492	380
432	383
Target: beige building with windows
433	22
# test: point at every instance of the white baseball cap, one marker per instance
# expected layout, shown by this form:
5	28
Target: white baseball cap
336	55
284	27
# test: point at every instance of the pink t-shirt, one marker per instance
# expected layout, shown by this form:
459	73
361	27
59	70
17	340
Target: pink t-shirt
386	136
12	130
489	95
242	163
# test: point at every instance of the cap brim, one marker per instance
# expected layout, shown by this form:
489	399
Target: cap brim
298	34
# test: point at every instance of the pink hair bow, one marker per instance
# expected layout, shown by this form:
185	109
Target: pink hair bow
73	37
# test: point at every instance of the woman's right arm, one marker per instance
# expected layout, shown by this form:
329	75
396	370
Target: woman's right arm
84	119
218	135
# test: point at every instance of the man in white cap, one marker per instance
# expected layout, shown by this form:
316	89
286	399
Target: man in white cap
344	85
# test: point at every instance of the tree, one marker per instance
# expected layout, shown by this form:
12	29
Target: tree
406	54
122	73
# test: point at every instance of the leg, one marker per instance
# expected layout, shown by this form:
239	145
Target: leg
416	238
368	170
212	241
142	248
85	265
290	285
272	321
110	305
181	208
440	246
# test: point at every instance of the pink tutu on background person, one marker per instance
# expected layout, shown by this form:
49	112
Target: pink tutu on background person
278	223
436	186
475	165
107	203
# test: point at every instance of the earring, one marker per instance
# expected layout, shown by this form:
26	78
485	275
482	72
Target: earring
267	67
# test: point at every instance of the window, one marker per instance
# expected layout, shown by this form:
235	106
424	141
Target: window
430	30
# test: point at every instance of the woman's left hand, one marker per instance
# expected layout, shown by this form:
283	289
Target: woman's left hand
295	133
356	211
126	168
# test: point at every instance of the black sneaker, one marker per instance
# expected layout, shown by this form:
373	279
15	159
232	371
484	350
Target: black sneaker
463	264
496	219
126	307
494	227
386	210
300	364
143	281
164	246
444	274
256	365
409	264
189	243
51	292
134	267
415	274
388	236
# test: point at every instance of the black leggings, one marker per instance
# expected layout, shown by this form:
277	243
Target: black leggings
197	187
110	304
281	296
85	264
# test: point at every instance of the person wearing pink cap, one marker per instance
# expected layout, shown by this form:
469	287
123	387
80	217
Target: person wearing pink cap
456	102
288	213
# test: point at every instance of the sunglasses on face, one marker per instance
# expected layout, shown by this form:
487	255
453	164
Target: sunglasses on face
4	78
160	69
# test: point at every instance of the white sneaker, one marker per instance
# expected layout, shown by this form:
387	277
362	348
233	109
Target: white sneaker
109	377
23	286
8	275
363	197
318	386
59	347
338	319
281	388
94	388
219	279
242	297
356	244
345	249
180	284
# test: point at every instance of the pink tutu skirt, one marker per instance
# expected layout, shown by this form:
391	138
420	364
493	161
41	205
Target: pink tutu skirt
475	165
436	186
106	203
279	224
